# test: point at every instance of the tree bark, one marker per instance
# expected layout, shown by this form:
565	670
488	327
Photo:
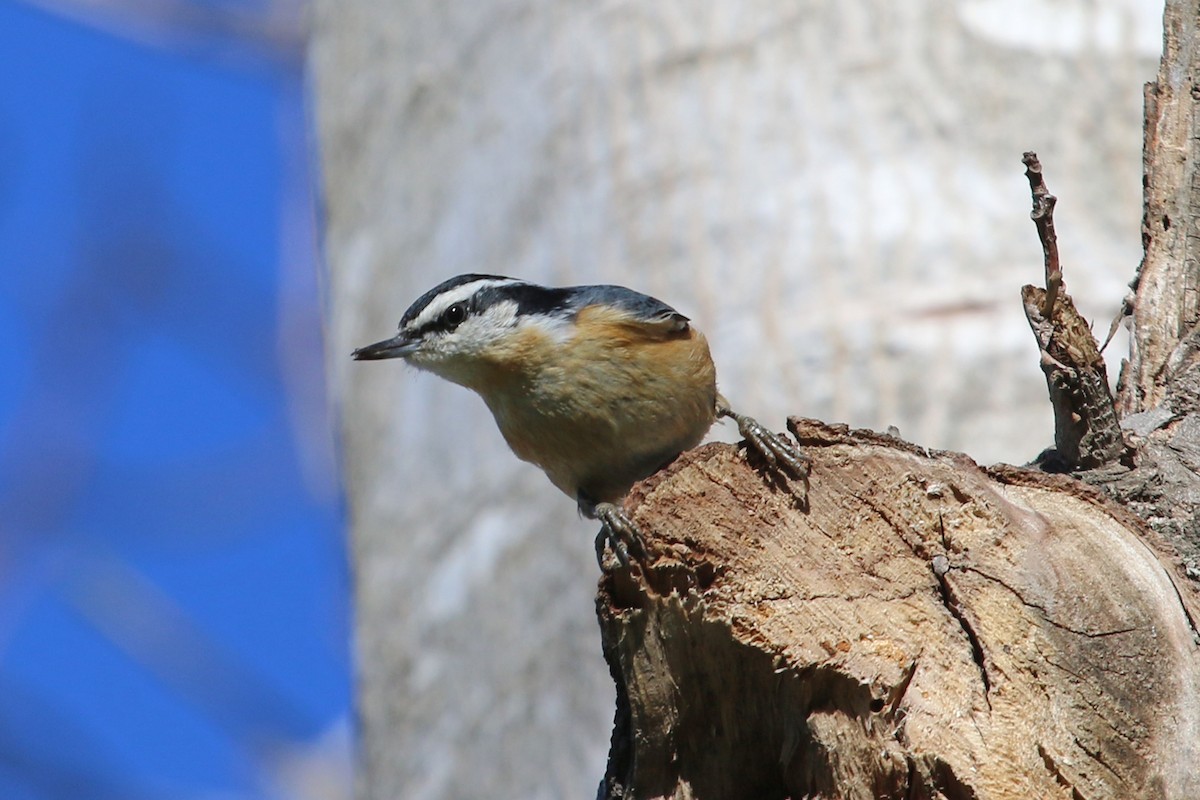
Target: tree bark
923	627
1159	392
1163	366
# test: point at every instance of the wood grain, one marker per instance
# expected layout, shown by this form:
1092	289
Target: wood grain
923	628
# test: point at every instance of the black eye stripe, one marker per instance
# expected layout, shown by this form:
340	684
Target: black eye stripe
454	315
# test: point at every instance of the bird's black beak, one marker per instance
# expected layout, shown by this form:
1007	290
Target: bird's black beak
398	346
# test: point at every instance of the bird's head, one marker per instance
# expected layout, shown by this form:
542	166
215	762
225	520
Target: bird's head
470	324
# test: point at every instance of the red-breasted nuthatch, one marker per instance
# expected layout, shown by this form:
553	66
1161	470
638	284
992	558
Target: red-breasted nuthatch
600	386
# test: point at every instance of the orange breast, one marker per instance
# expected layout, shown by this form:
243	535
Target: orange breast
613	404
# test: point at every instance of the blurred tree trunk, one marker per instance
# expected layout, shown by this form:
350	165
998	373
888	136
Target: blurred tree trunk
921	627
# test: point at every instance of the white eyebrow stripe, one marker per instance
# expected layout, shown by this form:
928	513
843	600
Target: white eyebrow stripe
458	294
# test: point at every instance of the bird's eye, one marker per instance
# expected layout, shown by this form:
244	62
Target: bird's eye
455	315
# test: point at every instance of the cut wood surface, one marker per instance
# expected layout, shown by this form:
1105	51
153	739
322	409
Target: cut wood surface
918	627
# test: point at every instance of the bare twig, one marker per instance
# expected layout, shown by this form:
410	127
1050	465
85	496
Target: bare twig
1086	430
1043	217
1126	311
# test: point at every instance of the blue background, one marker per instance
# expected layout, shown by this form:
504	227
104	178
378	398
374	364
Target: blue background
173	586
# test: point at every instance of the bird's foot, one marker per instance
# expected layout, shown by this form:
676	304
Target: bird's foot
619	532
778	451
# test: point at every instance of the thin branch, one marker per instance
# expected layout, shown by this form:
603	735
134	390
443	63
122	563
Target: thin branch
1043	217
1087	433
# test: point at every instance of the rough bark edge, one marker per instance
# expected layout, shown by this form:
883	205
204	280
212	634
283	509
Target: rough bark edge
1166	307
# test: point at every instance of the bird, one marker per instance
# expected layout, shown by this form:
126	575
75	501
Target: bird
600	386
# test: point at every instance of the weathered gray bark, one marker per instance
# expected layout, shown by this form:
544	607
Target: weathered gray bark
1163	367
1160	385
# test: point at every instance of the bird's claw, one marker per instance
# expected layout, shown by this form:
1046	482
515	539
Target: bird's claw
778	451
619	532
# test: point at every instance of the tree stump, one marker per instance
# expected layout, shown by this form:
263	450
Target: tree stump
916	627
